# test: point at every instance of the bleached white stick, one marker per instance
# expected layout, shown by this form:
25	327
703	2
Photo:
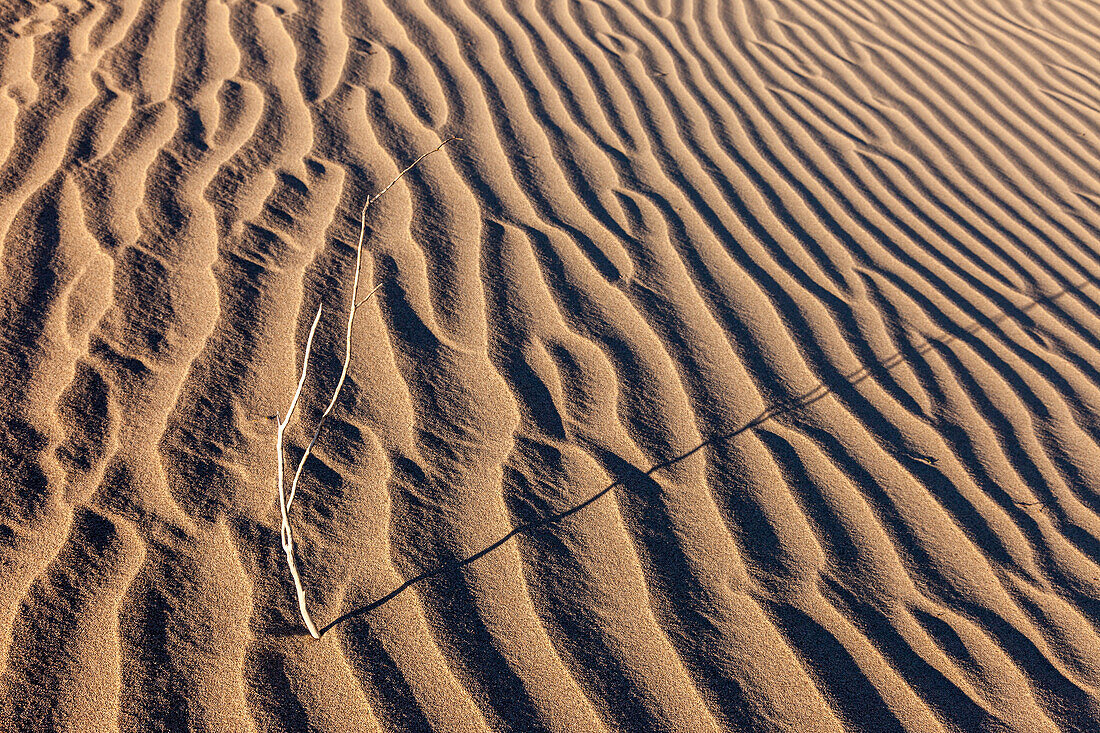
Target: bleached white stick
287	498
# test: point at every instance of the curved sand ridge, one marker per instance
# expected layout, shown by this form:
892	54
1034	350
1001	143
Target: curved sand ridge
738	371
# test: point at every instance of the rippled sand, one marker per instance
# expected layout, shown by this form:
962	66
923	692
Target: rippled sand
739	370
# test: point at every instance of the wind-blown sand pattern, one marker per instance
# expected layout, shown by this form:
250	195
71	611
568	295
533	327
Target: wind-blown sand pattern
738	371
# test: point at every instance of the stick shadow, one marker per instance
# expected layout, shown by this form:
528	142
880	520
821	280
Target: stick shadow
817	393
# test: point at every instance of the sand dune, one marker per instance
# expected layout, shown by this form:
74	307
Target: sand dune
739	370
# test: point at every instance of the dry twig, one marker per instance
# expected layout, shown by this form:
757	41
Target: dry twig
286	498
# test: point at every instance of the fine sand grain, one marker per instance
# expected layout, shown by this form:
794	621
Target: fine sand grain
738	371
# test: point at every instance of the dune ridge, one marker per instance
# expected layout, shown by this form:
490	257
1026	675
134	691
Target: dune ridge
737	372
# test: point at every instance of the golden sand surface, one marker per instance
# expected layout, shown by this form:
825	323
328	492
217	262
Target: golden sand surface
738	370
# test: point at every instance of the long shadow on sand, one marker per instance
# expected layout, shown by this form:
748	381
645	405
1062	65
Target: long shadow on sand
781	408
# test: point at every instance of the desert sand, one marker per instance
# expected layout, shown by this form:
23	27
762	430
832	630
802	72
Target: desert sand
737	370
